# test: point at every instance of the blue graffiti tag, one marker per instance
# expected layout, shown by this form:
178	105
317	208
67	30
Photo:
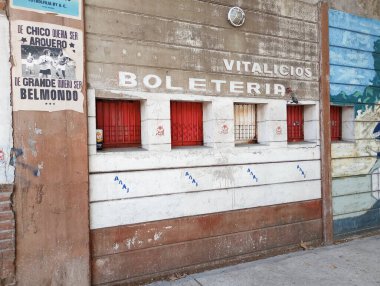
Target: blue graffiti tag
120	182
251	172
190	177
301	171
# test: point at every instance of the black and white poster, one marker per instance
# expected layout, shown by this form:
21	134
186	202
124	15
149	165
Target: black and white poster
48	67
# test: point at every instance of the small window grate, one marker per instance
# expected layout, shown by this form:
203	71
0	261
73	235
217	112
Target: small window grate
120	121
245	118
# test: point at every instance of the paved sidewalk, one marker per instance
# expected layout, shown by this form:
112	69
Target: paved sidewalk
353	263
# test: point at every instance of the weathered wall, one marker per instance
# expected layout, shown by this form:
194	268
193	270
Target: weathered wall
248	200
50	153
6	140
363	8
7	224
355	84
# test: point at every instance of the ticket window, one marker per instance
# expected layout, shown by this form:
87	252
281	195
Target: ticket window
186	123
245	123
295	123
120	121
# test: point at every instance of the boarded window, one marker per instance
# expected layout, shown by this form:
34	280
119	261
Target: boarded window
120	121
245	123
295	123
336	122
186	123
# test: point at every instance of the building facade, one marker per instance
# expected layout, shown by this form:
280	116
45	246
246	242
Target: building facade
154	137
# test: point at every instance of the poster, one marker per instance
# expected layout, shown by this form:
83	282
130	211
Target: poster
64	8
48	67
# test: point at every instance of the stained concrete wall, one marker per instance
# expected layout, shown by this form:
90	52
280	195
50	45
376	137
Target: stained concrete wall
363	8
201	206
50	197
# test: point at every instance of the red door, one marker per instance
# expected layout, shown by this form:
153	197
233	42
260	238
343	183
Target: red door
336	122
295	123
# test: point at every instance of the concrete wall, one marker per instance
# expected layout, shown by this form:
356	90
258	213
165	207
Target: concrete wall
355	84
248	200
50	197
7	224
363	8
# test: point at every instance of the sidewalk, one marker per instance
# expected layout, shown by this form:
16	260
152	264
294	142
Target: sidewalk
353	263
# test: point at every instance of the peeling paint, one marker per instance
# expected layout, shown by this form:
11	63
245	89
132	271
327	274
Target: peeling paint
15	153
157	235
37	131
32	145
40	166
100	262
39	194
130	242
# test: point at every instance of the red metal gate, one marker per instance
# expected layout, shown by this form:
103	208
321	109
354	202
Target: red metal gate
120	121
186	123
336	122
295	123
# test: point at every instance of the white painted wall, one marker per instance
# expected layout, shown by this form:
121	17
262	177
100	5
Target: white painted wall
6	140
160	182
137	210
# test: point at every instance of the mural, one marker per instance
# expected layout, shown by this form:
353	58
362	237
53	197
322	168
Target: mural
355	82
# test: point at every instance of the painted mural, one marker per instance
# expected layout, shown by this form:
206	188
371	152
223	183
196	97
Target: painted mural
355	84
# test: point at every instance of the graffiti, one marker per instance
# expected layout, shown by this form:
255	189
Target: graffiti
253	175
355	67
301	171
15	153
224	129
2	155
37	131
190	177
121	184
160	131
278	130
13	161
36	171
355	81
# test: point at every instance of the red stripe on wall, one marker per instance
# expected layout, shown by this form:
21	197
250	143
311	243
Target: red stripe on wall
141	250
